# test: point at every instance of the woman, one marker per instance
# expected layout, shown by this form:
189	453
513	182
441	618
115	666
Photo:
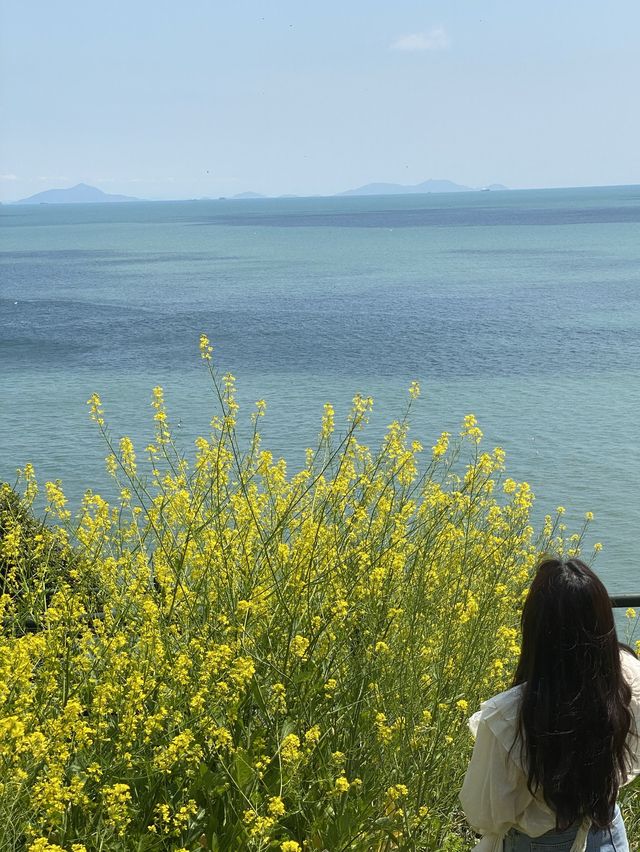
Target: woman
552	751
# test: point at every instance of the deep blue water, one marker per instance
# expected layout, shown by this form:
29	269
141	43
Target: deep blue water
523	307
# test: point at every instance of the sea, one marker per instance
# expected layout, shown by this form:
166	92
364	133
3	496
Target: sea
521	307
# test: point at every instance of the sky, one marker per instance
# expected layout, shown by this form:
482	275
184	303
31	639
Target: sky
203	98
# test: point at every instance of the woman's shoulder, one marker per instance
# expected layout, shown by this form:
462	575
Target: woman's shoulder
631	673
504	703
630	668
630	665
499	713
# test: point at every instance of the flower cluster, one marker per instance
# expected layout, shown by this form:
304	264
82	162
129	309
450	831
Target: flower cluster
235	657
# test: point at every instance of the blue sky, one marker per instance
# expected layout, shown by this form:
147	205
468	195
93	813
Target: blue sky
214	97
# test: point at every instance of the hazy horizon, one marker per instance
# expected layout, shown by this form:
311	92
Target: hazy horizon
165	102
339	194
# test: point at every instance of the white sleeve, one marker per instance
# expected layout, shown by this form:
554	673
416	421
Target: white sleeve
631	673
494	792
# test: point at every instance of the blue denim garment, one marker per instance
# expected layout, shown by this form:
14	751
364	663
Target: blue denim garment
613	839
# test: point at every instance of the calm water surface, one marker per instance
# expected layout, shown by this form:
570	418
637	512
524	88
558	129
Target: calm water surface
522	307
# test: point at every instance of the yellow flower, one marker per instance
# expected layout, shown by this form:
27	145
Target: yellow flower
312	736
182	750
183	815
470	429
290	748
95	404
117	799
290	846
299	646
56	499
341	608
414	390
441	446
205	348
278	698
243	607
261	826
220	738
43	845
276	806
341	785
163	435
128	456
398	791
330	687
499	457
328	420
384	731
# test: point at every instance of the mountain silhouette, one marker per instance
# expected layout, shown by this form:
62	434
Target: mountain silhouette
81	193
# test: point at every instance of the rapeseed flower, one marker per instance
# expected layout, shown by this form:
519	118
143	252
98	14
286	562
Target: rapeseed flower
206	348
259	644
341	785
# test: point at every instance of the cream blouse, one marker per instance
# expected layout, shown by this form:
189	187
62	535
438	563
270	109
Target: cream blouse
494	794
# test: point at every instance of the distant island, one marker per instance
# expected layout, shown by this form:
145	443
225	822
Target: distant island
419	188
81	193
426	186
249	195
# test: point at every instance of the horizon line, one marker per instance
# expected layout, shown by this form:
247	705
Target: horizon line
285	196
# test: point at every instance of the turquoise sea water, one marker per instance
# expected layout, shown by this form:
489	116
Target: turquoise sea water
522	307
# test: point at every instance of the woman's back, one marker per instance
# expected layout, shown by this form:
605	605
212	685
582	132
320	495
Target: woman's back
551	752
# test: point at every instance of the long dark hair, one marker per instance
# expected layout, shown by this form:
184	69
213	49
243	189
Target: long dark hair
574	715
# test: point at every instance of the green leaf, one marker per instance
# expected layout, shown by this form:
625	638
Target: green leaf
241	769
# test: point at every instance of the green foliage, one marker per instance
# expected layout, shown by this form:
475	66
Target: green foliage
34	559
